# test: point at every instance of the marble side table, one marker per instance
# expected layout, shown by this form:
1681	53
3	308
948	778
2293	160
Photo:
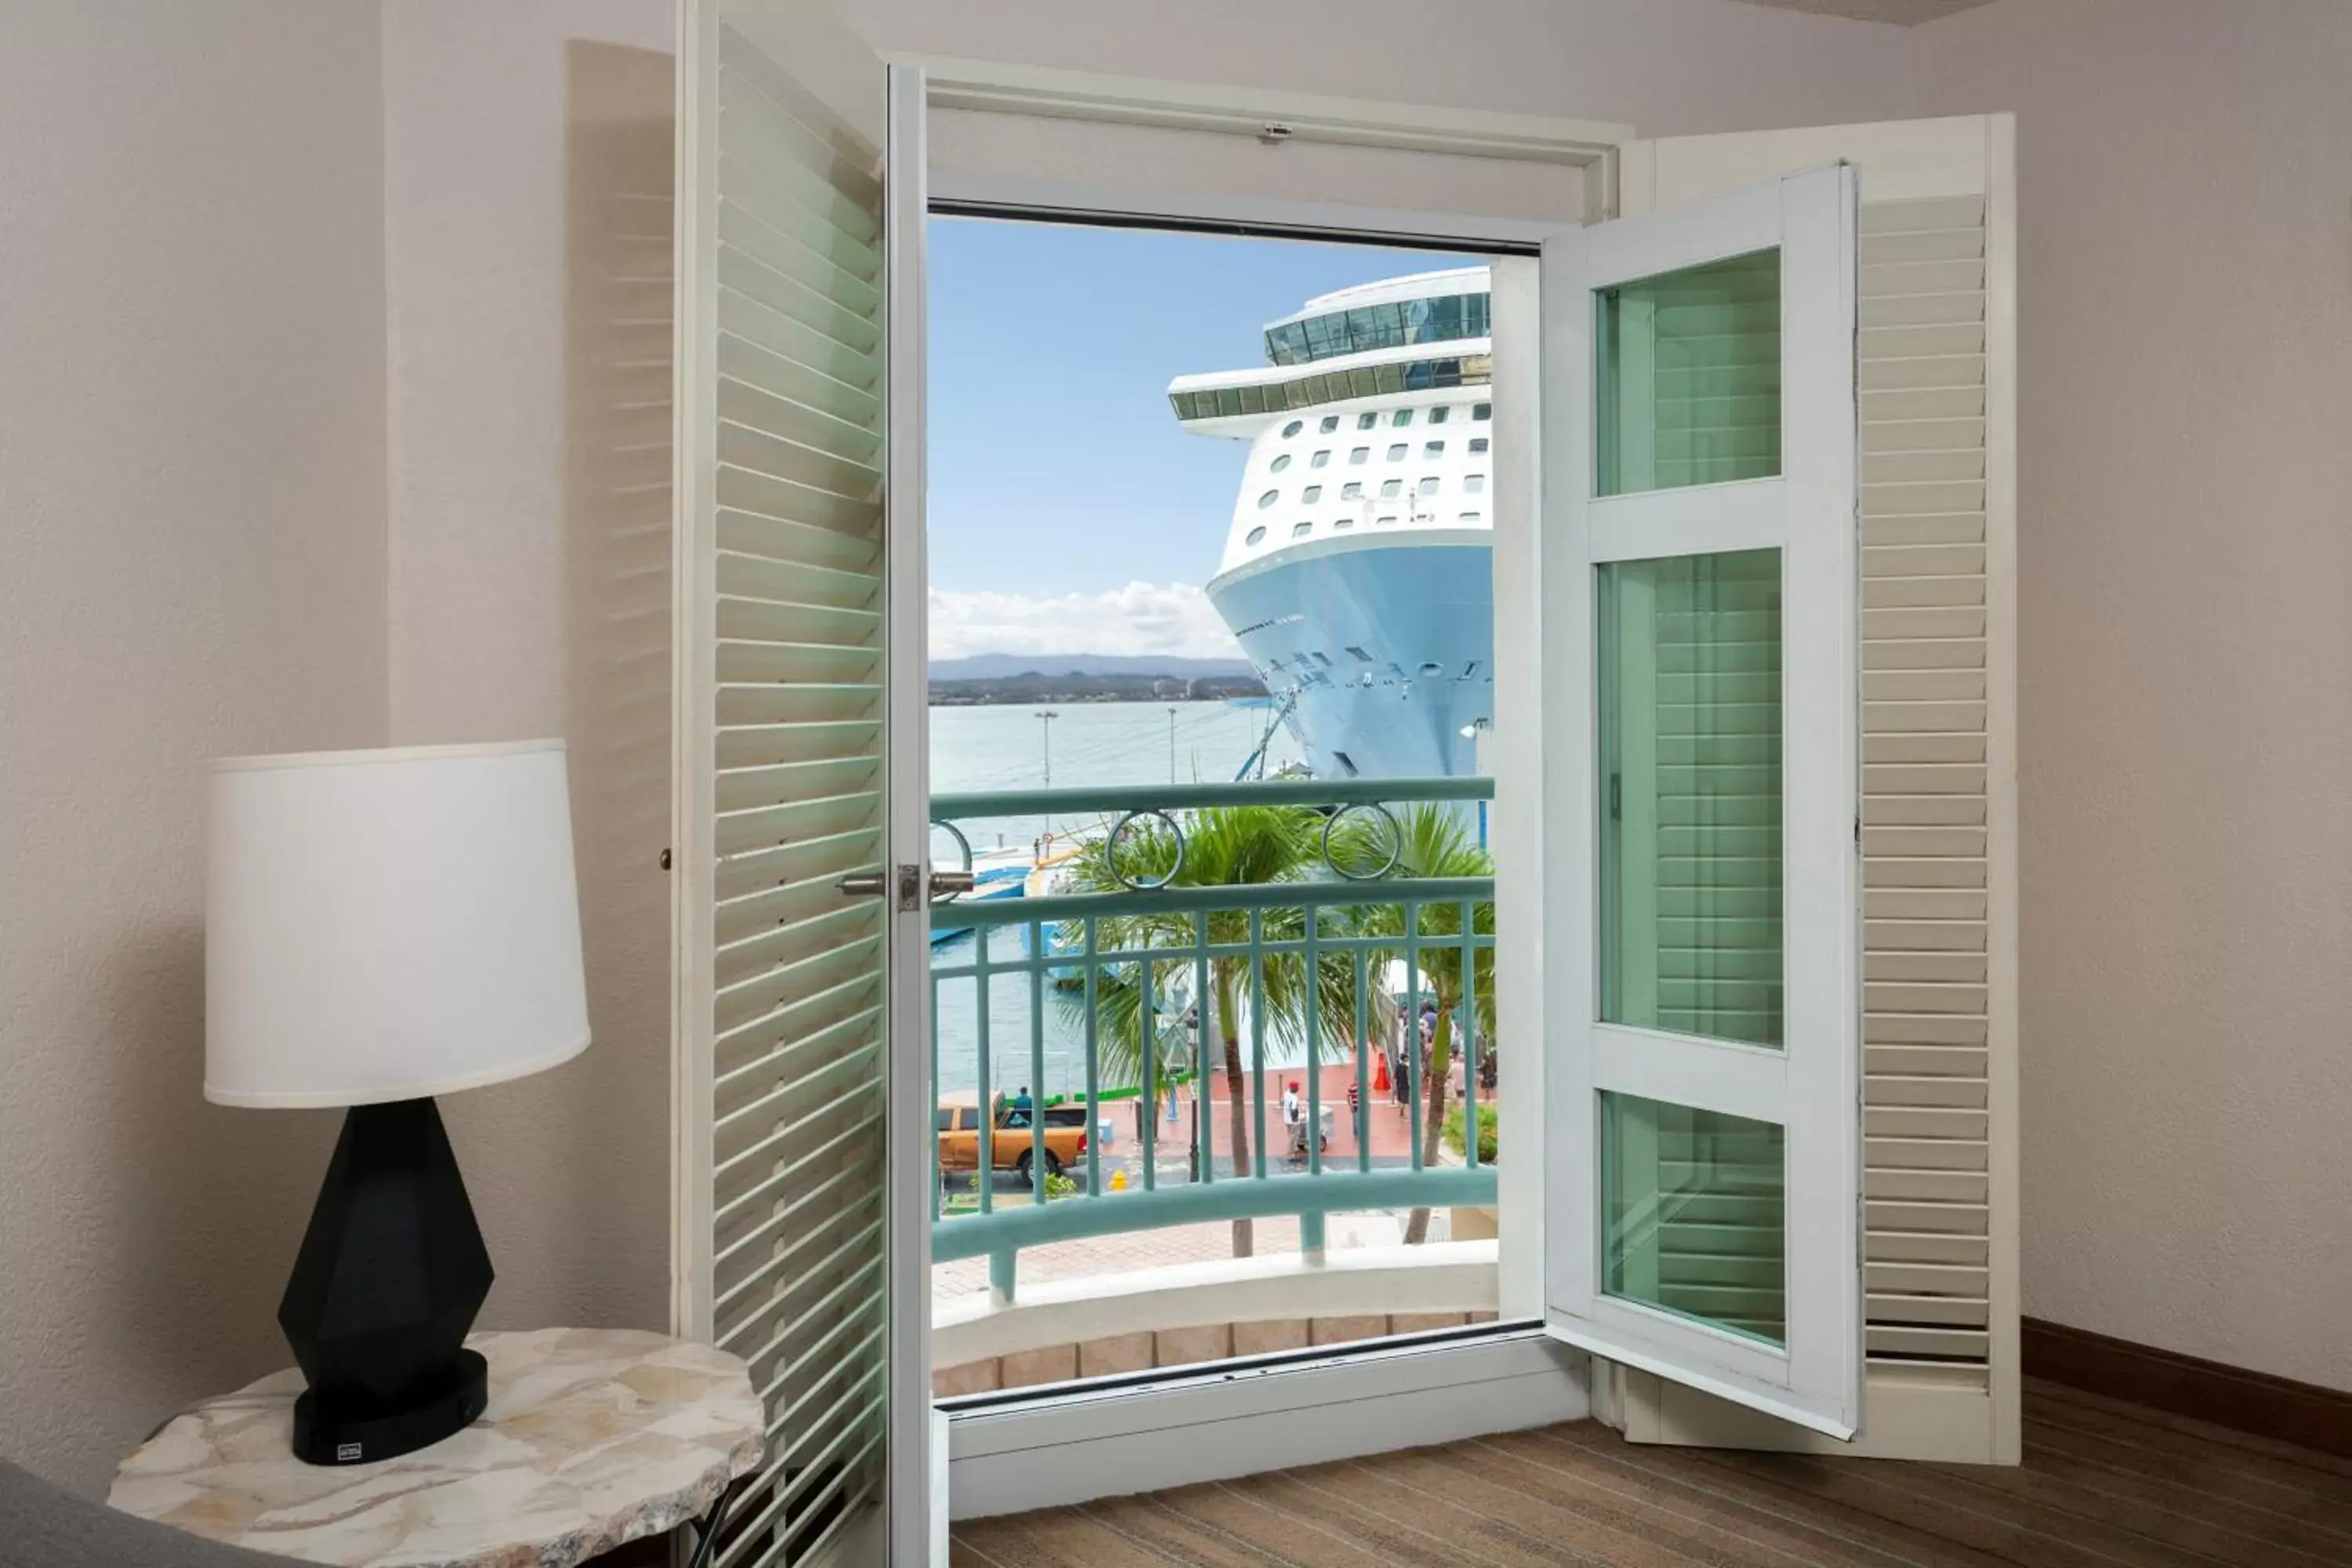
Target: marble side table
592	1437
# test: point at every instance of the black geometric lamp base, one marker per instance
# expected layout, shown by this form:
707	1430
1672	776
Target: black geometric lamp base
355	1431
392	1271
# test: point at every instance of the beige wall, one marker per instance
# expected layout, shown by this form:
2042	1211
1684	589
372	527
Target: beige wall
1667	67
2185	540
191	565
530	460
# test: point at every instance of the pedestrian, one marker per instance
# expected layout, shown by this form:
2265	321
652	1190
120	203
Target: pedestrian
1356	1110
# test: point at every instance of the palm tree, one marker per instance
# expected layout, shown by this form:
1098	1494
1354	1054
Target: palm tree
1223	847
1434	841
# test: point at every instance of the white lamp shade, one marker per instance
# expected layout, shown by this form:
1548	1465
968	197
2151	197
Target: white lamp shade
390	924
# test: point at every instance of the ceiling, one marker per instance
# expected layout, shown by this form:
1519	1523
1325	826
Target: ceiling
1904	13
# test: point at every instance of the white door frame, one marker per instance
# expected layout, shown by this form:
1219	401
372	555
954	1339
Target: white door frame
917	1515
1067	1452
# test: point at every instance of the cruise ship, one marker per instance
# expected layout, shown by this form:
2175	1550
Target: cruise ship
1357	573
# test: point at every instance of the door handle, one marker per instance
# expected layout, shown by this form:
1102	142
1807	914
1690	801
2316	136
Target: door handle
873	884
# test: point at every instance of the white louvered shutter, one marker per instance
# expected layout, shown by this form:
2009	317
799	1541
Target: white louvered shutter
784	1007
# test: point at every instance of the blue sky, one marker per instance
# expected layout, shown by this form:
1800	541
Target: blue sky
1067	509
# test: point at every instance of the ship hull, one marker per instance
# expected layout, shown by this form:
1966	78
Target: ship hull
1382	650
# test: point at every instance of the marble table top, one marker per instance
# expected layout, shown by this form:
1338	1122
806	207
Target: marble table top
592	1437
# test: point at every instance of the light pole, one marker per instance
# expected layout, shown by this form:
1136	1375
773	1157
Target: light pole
1045	717
1171	743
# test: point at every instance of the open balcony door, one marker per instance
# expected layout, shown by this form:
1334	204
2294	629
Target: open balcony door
1778	581
1702	571
799	1238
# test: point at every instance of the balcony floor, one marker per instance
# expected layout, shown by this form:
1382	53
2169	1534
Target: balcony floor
2104	1483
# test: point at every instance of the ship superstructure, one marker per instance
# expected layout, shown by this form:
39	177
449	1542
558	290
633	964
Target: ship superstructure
1357	573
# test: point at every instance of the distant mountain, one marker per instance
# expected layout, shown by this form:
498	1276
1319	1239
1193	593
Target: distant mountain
998	666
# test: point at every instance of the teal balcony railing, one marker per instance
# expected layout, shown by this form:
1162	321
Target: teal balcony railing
1140	980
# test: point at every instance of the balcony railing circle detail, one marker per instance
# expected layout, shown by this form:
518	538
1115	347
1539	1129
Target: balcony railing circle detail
1396	841
963	847
1138	884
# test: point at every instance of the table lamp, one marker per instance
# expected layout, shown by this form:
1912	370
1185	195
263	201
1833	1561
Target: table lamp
382	927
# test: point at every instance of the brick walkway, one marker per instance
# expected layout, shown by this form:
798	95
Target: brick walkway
1391	1144
1389	1123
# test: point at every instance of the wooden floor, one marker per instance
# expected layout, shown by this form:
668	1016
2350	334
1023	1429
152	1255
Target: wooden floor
2103	1484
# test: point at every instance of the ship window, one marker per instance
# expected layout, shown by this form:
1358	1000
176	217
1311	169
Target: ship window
1330	423
1255	535
1429	485
1312	494
1432	668
1359	653
1433	450
1471	516
1477	445
1390	517
1281	461
1360	454
1301	529
1439	415
1352	491
1321	459
1268	498
1366	421
1322	659
1344	523
1482	411
1293	428
1392	487
1474	483
1396	453
1403	417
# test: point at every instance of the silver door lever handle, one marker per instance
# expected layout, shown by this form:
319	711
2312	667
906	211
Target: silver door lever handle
870	884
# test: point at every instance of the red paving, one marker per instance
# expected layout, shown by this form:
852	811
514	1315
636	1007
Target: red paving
1391	1134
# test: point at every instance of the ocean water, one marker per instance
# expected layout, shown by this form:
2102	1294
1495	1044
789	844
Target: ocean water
1005	747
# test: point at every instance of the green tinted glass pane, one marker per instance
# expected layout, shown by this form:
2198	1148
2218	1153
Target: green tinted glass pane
1690	661
1688	370
1692	1214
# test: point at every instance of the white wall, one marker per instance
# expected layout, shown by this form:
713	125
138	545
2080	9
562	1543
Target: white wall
191	565
2185	542
529	520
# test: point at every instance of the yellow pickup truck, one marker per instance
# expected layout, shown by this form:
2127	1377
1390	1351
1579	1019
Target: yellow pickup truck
1012	1148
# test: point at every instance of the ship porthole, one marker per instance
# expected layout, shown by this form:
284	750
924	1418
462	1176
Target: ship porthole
1255	534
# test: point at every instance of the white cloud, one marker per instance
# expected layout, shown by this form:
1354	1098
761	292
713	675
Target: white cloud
1141	618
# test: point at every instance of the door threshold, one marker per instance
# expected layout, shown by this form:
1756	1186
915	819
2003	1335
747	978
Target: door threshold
1068	1443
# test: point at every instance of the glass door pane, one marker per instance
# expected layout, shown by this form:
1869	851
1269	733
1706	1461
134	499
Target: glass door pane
1687	374
1692	1214
1689	651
